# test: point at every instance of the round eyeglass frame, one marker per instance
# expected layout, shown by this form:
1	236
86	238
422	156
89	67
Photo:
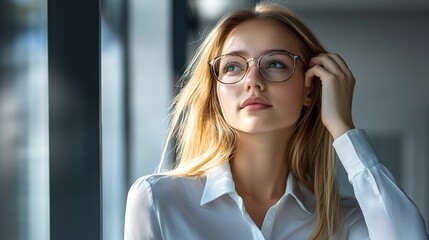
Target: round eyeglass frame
258	60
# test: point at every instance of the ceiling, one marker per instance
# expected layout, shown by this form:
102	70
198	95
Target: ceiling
213	9
395	5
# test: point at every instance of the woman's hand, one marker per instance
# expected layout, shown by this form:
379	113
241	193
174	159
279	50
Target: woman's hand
337	91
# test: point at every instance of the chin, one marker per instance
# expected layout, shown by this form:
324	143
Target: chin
265	129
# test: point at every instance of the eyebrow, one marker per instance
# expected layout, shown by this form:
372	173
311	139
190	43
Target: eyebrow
243	53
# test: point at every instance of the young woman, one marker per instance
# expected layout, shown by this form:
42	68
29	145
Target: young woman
254	127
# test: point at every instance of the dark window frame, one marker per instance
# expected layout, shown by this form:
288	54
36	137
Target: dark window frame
74	119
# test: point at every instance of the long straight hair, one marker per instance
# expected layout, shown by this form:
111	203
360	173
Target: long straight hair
202	139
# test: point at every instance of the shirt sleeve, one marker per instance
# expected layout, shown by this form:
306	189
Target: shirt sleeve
388	212
141	221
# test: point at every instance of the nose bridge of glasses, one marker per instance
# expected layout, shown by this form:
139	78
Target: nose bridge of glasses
250	60
256	60
249	66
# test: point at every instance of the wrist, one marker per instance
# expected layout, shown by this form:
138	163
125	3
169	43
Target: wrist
340	129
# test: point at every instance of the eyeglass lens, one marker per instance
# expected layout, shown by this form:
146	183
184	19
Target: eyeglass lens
275	67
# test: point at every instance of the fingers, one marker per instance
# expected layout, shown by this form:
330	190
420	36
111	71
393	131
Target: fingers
328	66
337	91
316	71
331	61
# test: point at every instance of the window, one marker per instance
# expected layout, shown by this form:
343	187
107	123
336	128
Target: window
24	146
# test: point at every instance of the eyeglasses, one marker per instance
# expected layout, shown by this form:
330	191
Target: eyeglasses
273	67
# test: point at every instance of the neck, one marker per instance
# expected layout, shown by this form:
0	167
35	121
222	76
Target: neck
259	165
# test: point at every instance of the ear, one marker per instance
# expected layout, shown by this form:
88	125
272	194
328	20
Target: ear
308	95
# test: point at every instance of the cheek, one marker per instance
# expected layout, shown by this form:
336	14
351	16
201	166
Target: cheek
221	98
288	101
228	96
291	98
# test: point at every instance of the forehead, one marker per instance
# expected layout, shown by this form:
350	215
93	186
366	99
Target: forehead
254	37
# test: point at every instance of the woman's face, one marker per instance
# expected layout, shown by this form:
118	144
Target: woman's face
254	105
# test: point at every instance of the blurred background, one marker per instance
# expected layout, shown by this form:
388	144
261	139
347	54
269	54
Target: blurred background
85	88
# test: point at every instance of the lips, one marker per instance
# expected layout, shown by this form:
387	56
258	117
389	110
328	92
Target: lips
255	103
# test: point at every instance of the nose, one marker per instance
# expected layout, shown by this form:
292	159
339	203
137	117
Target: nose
253	79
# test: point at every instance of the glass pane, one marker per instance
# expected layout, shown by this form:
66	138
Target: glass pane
113	119
128	154
24	171
151	82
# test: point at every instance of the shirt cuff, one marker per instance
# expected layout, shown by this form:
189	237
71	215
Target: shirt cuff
355	152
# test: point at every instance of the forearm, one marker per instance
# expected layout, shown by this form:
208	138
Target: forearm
388	212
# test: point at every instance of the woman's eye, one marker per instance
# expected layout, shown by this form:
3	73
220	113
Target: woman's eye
275	65
232	68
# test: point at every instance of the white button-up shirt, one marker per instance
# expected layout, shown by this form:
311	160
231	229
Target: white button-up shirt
208	207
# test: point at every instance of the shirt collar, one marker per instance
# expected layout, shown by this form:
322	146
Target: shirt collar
300	193
219	182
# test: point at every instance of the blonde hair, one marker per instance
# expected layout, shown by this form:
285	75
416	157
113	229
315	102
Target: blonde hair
202	138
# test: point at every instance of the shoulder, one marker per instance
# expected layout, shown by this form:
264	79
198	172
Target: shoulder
170	182
163	188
